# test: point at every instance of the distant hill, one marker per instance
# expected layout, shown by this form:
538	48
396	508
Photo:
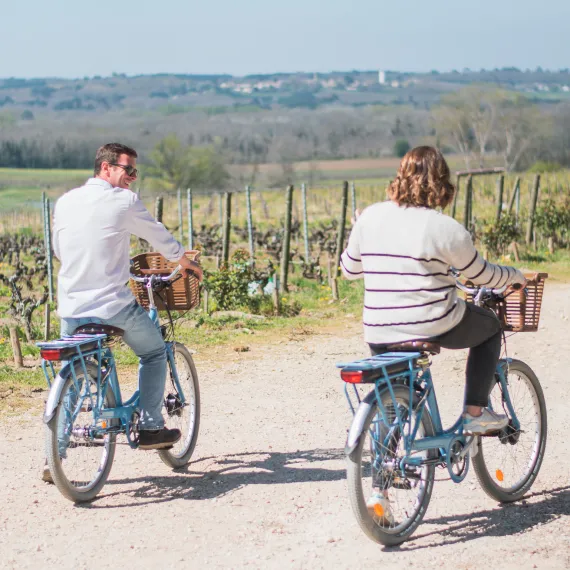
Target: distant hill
172	93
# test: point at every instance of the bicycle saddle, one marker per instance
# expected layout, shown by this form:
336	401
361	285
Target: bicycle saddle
93	328
415	345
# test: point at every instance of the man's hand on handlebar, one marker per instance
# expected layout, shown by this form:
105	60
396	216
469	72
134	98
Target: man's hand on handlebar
190	267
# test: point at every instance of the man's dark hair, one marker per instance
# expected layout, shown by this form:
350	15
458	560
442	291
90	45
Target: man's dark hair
110	152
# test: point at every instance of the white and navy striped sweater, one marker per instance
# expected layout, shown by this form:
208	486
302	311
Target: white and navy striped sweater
404	255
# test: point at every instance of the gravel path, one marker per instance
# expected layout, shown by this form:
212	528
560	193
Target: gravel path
267	485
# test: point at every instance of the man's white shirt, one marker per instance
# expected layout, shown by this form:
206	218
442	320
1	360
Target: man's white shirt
91	237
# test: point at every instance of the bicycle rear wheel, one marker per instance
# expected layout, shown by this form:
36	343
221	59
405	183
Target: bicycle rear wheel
508	463
185	417
79	464
373	467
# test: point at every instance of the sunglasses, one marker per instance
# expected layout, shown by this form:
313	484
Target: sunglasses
130	170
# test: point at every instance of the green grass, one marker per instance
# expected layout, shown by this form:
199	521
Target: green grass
215	334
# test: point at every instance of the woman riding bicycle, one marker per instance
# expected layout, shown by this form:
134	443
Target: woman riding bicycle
405	250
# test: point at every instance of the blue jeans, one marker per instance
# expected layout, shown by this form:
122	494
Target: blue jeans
142	335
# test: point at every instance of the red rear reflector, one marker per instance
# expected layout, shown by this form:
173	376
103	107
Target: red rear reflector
352	376
51	354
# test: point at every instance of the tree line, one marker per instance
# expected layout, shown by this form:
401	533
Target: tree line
474	121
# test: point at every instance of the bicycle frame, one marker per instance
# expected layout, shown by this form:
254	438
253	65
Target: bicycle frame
419	381
106	420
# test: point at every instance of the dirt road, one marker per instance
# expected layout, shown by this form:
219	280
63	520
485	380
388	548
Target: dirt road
267	485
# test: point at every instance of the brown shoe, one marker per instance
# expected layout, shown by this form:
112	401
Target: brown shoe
158	439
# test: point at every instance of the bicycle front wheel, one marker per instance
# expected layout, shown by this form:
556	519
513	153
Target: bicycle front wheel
183	416
374	470
508	463
78	462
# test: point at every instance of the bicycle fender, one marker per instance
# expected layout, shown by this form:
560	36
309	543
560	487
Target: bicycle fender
54	395
357	424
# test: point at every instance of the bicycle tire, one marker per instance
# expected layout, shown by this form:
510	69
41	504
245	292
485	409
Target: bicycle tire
180	454
482	462
59	466
376	532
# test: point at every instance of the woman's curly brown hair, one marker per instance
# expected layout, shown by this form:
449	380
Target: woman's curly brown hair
422	180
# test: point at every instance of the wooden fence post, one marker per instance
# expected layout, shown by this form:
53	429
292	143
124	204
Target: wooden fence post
305	222
190	219
249	224
341	224
46	215
500	189
286	239
467	212
227	228
16	350
533	202
352	199
516	191
454	205
275	295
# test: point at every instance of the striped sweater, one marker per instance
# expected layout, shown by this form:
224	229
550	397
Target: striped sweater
404	255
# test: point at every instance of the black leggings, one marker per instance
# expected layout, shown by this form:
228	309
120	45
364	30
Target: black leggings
480	331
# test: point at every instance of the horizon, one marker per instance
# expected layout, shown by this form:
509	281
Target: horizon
506	68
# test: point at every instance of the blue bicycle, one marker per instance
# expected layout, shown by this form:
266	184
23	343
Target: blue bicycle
397	440
85	411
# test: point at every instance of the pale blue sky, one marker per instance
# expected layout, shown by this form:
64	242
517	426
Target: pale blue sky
78	38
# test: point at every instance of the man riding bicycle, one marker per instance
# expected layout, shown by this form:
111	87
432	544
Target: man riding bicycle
92	229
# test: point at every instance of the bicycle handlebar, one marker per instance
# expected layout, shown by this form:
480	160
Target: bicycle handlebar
145	278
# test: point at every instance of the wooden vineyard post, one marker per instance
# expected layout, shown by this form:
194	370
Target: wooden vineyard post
454	205
275	295
352	199
500	190
227	228
16	350
334	288
515	195
305	222
158	204
341	224
286	239
467	212
249	225
533	202
190	219
47	243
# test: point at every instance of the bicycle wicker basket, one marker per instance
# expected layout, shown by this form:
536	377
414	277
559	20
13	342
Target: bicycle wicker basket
520	311
184	293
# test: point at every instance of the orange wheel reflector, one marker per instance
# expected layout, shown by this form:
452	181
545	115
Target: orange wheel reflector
378	510
499	475
104	425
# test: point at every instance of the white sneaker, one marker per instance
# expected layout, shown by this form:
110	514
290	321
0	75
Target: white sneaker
487	422
379	509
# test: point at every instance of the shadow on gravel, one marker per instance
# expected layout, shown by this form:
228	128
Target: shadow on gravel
512	518
224	474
